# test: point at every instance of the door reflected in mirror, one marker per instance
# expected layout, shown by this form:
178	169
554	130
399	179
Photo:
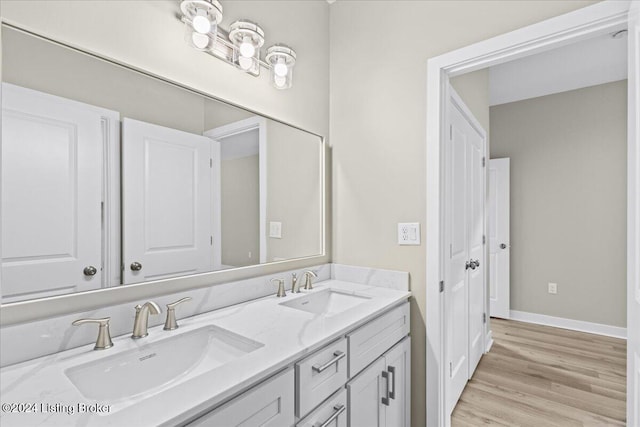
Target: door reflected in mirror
113	177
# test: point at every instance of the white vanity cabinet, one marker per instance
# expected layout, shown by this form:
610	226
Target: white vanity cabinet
380	395
361	379
269	404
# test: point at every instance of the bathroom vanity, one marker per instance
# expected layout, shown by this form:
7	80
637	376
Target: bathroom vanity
335	355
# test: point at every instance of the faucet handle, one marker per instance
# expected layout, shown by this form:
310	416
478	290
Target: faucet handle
281	291
104	337
294	282
170	324
309	275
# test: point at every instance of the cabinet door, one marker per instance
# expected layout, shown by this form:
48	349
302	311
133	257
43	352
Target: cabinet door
269	404
365	395
398	364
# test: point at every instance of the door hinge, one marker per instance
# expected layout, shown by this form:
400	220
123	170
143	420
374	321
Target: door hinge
484	239
484	317
484	161
210	162
450	369
211	240
450	132
442	286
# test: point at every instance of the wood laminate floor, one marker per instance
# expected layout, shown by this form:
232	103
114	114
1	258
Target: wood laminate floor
542	376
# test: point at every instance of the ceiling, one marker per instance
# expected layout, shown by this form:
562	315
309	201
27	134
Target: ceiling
591	62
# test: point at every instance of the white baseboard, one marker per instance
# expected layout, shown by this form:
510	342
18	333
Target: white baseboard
489	341
574	325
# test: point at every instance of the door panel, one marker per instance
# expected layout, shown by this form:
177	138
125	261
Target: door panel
464	292
167	190
499	235
398	361
51	195
456	289
365	394
476	275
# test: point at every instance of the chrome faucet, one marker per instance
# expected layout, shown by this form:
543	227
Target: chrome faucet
171	323
309	276
140	324
294	284
104	338
280	282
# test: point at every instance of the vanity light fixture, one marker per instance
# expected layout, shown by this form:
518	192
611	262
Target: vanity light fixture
239	46
201	18
248	38
281	60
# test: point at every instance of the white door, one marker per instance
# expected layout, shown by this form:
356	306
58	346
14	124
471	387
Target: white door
633	248
51	195
464	272
166	196
499	241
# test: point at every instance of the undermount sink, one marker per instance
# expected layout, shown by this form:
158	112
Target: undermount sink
152	367
327	302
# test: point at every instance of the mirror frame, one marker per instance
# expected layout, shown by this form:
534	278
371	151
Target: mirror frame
42	308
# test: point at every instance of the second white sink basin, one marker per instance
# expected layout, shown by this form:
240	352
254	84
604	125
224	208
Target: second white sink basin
327	302
152	367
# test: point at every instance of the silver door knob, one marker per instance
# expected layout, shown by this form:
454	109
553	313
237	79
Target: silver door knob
503	246
136	266
475	263
467	265
90	271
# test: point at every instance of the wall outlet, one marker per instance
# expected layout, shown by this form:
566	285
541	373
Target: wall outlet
275	230
408	233
553	288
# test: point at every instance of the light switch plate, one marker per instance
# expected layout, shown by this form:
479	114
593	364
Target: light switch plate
275	229
408	233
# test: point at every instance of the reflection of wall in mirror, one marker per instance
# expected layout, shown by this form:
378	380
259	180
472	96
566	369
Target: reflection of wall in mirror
294	193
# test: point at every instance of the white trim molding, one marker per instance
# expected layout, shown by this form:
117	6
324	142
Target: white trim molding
574	325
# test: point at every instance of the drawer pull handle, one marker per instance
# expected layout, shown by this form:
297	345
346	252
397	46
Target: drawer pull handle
338	355
339	409
385	399
392	371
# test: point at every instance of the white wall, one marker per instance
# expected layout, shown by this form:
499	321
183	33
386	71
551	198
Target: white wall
147	34
379	52
568	201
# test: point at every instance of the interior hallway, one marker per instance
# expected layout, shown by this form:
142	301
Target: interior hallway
544	376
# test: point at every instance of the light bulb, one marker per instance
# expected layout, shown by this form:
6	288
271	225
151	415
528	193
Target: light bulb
280	68
247	49
199	40
201	22
280	81
245	63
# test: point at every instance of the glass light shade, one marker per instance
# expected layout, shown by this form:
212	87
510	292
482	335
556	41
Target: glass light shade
281	60
247	63
198	40
282	82
201	22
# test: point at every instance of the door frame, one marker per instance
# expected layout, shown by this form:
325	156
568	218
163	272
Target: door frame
552	33
255	122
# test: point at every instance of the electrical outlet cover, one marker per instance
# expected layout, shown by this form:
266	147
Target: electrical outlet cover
408	233
275	229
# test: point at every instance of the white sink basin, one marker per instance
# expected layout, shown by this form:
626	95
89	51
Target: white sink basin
327	302
153	367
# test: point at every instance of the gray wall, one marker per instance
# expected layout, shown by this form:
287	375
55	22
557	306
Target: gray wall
568	201
378	115
240	197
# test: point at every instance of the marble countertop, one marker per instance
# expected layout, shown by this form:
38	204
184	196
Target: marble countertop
49	398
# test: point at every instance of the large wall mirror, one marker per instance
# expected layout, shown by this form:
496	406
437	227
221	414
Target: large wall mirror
111	177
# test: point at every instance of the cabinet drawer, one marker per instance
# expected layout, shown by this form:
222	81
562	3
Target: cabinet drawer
367	343
319	375
333	413
269	404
